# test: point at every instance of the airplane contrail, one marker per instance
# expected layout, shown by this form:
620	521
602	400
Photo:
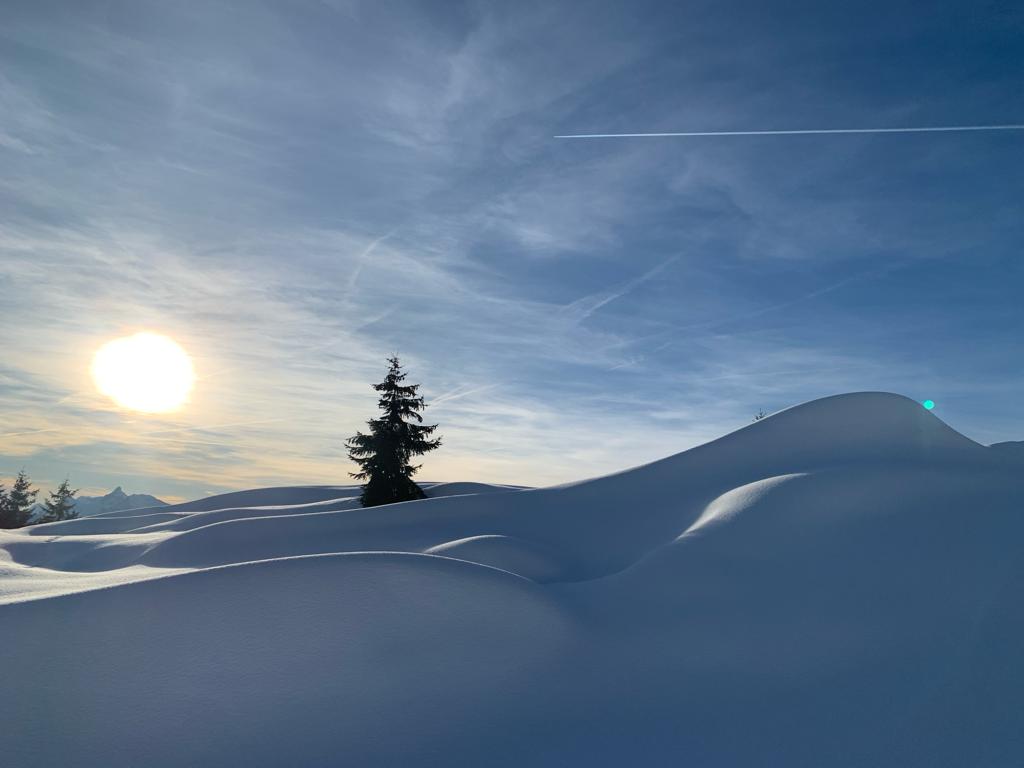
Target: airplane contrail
817	131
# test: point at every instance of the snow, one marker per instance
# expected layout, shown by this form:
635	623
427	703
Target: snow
836	584
508	553
1013	449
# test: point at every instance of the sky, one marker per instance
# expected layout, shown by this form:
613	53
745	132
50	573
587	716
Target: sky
296	190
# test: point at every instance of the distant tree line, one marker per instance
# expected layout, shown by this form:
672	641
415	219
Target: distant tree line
18	505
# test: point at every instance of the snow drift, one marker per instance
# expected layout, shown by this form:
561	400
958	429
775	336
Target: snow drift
837	584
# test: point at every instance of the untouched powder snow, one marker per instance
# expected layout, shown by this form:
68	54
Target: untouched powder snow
837	584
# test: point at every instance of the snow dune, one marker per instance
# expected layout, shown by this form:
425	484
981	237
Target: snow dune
837	584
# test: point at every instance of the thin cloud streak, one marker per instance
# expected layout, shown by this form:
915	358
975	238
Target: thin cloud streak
458	393
625	289
872	274
800	132
364	255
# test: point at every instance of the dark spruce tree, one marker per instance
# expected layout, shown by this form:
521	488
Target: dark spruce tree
16	504
60	505
394	438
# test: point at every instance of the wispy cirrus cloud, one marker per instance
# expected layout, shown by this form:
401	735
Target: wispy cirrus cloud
295	191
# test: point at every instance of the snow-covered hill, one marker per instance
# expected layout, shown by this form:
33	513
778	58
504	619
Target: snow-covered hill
837	584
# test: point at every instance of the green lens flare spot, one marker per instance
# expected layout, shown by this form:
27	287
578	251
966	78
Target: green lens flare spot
928	404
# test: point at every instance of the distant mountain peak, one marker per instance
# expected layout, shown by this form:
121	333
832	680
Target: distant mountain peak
115	501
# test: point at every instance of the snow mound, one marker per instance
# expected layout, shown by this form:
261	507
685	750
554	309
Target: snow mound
121	522
259	497
508	553
1013	449
246	665
837	584
440	490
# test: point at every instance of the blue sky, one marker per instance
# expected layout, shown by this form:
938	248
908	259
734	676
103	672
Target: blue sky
295	190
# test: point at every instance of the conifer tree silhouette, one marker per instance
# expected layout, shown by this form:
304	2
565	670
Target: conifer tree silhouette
16	504
60	505
395	437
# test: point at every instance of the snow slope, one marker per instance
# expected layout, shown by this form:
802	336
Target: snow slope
837	584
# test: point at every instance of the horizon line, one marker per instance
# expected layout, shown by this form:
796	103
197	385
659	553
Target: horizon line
794	132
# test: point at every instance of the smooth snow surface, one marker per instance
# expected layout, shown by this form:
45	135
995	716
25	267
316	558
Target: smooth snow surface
838	584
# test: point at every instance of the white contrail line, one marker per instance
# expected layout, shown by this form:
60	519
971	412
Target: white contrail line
365	254
610	296
459	392
804	132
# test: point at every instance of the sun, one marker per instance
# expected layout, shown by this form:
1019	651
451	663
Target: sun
146	372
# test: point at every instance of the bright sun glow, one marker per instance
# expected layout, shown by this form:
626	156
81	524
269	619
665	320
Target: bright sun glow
145	372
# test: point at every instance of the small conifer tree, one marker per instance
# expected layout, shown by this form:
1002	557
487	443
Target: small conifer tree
16	504
60	505
394	438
